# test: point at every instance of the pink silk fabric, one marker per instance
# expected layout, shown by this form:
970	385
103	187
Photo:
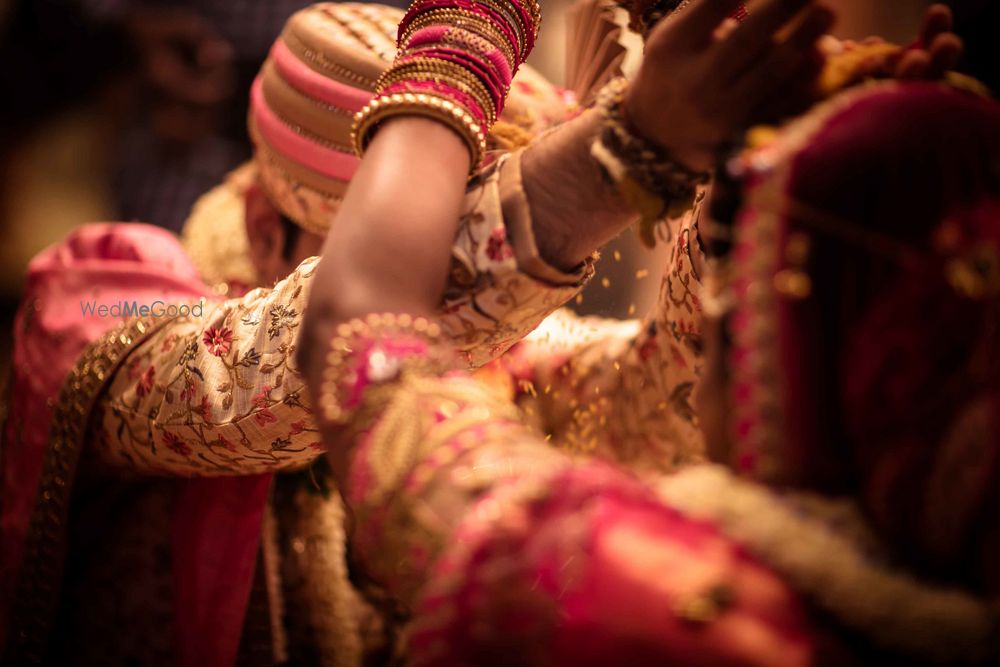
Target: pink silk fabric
216	525
562	582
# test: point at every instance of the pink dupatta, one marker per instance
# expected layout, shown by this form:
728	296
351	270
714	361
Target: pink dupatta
213	539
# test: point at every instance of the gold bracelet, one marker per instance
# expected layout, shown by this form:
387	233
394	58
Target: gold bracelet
478	95
420	104
464	20
648	178
513	18
340	369
429	69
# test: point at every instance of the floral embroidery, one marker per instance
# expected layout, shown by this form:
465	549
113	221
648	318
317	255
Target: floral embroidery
264	417
174	443
497	248
168	343
226	386
145	384
262	400
203	409
221	441
190	352
282	317
218	340
621	391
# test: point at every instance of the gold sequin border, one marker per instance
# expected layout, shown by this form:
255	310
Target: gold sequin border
36	596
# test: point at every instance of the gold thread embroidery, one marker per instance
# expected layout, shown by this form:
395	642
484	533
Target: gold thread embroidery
37	593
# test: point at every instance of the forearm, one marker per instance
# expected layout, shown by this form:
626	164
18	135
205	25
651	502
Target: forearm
575	210
388	250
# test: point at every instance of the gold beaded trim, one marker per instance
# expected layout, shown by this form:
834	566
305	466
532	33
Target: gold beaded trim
648	178
341	351
440	71
468	87
38	589
460	19
420	104
314	57
464	20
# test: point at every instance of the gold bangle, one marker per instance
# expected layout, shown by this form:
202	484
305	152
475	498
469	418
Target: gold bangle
465	20
485	103
428	69
648	178
380	369
511	17
420	104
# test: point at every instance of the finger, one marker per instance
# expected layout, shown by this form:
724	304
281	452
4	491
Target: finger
913	65
937	20
756	33
945	52
698	22
779	80
802	39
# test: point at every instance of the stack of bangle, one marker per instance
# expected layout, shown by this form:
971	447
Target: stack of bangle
455	64
650	181
374	351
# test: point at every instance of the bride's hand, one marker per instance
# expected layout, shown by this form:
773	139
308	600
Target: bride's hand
936	49
699	86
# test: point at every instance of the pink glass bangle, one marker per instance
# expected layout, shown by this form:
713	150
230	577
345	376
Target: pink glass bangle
511	22
495	56
510	33
497	90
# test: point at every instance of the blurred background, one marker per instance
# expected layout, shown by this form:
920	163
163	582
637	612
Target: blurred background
129	109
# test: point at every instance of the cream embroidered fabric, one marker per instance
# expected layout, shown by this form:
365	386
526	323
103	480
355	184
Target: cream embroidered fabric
220	394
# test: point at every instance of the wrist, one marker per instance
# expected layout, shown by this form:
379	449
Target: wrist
650	128
652	181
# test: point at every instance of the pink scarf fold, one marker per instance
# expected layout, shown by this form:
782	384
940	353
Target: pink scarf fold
213	538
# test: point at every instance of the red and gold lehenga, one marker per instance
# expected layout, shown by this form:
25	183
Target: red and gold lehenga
852	522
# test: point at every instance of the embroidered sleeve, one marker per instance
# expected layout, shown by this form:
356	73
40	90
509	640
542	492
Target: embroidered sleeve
215	394
499	289
218	394
621	390
494	544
